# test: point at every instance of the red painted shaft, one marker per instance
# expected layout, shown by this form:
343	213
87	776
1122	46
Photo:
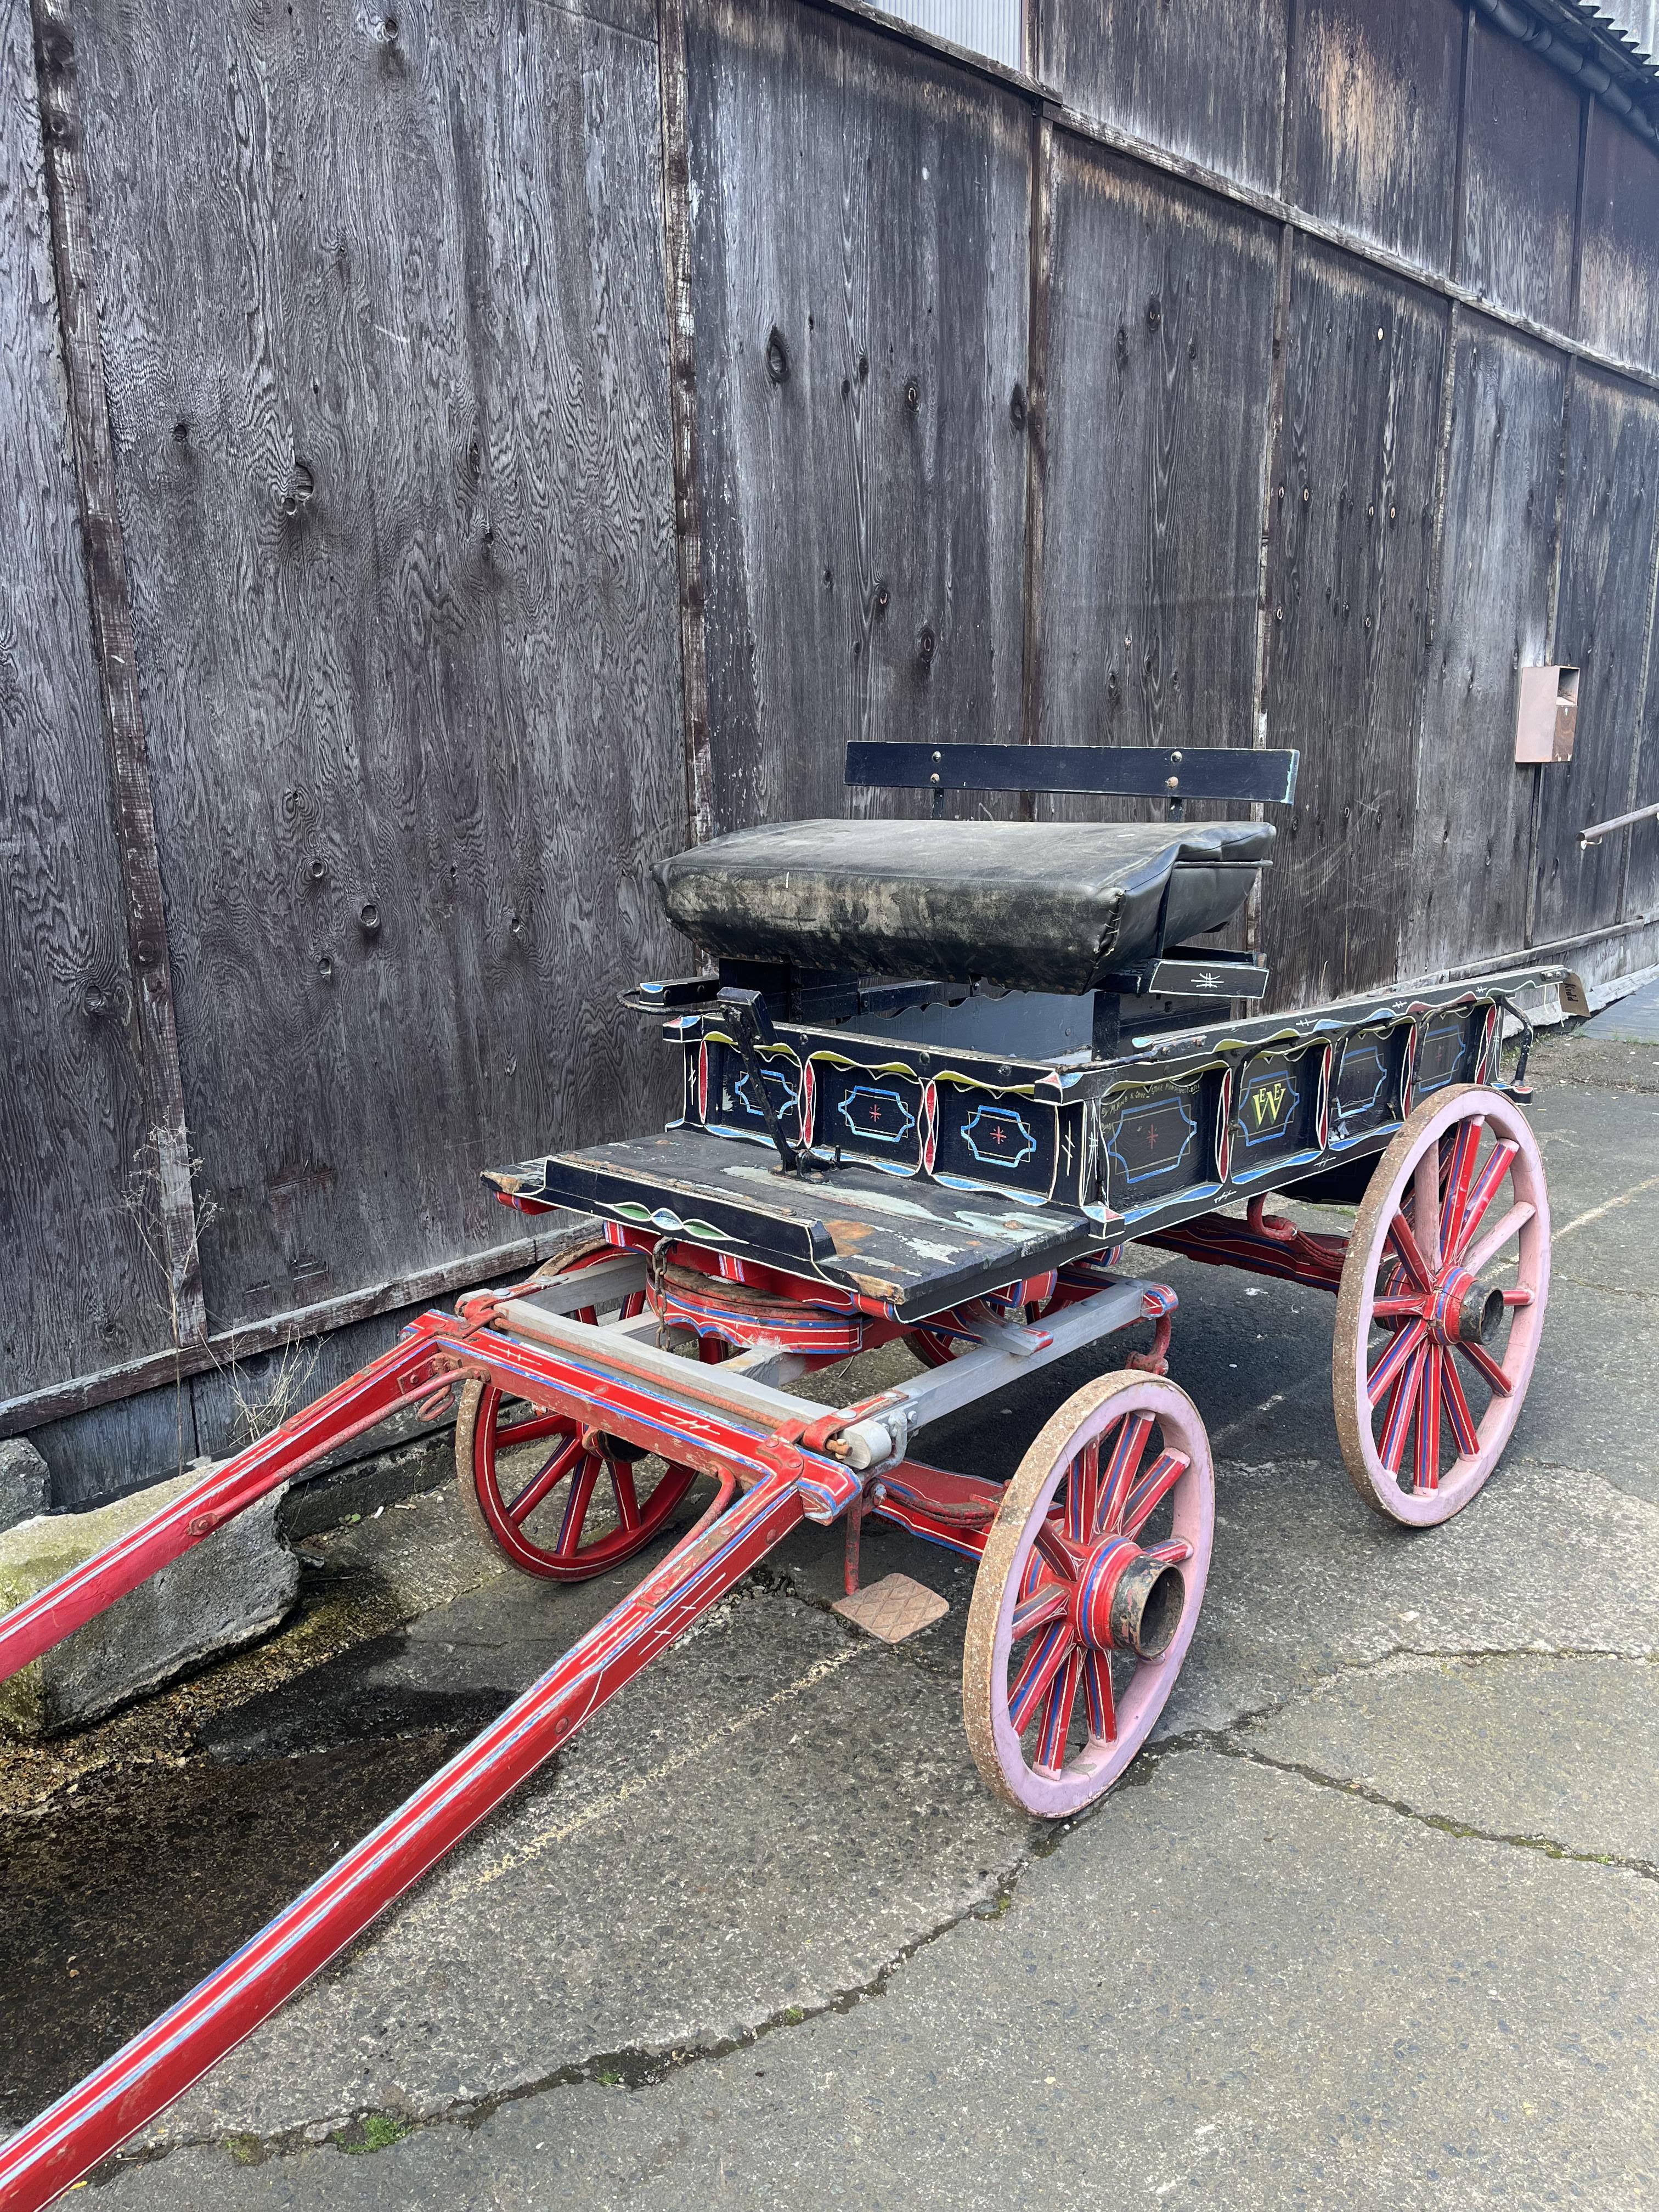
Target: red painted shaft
129	2089
348	1411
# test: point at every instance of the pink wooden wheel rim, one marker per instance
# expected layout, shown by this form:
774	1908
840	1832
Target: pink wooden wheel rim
1098	1442
1414	1238
567	1480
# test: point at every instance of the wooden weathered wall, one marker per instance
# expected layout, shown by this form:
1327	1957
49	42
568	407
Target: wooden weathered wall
394	460
860	235
82	1289
536	433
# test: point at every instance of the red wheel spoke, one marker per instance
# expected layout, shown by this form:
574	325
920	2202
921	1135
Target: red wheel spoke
1400	1236
1057	1717
1055	1550
1457	1409
1161	1479
1043	1661
1388	1369
633	1306
1097	1688
551	1475
530	1429
1398	1425
1495	1239
628	1504
1518	1297
1487	1187
1176	1552
1395	1309
1427	1475
588	1316
1082	1492
575	1510
1120	1471
1049	1602
1466	1147
1483	1363
1425	1207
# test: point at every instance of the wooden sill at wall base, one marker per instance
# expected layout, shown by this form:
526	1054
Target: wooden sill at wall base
33	1409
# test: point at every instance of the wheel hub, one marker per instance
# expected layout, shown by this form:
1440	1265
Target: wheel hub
1465	1311
1126	1600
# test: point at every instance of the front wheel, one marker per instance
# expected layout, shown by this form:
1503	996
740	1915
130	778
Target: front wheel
1088	1593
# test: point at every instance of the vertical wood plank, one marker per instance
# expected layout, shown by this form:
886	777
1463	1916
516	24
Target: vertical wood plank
862	236
1639	872
1162	355
1641	886
1375	101
81	1289
1473	806
1461	182
393	448
1619	281
1602	624
68	191
1203	82
1035	401
1521	176
1349	572
682	406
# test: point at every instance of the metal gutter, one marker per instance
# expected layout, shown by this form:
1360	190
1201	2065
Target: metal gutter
1591	47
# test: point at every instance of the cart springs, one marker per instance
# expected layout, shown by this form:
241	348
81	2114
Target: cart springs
656	1297
1517	1085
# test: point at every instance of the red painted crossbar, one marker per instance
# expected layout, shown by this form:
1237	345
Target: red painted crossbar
128	2090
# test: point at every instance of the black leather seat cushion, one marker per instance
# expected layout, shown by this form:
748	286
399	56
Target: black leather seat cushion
1034	906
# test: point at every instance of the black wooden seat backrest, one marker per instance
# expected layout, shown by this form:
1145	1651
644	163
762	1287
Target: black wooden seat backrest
1234	773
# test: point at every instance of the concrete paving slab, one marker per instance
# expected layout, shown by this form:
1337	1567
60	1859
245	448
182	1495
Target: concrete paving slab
837	1817
1307	1581
1562	1751
769	1817
1230	1987
1592	1403
1601	1154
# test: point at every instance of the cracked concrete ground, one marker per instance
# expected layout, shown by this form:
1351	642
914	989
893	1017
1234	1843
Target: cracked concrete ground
1375	1921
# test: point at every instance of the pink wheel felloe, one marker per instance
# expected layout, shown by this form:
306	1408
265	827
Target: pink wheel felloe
1088	1593
556	1500
1441	1305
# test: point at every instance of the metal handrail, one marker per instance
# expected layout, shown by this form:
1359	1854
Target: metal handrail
1598	830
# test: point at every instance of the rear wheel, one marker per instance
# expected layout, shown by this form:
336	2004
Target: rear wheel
1441	1305
556	1500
